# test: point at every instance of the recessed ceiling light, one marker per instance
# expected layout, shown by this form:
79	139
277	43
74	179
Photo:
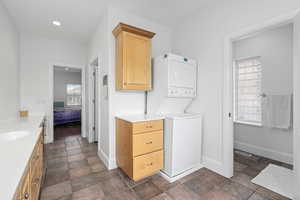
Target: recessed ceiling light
67	68
56	23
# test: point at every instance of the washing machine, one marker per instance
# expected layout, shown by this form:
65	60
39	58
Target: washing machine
182	143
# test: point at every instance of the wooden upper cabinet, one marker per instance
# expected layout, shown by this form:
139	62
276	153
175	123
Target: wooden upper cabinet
133	58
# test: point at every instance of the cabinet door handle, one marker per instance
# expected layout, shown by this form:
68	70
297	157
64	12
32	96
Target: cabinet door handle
150	164
26	195
149	142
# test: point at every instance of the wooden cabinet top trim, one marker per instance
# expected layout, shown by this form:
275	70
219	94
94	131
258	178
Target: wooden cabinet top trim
131	29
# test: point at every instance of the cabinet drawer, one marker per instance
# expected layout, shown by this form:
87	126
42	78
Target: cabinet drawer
147	142
146	165
141	127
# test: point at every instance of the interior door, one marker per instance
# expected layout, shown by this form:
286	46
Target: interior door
296	100
137	62
94	113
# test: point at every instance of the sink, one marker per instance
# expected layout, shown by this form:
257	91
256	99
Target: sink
14	135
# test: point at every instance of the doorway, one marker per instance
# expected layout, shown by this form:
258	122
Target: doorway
66	103
262	105
228	94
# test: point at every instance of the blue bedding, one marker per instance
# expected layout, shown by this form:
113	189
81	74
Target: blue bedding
66	115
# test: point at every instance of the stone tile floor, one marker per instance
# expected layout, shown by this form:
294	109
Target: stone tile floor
74	172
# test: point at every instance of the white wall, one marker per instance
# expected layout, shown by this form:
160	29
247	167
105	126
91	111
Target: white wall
9	66
37	54
275	48
61	79
130	102
103	44
98	48
201	36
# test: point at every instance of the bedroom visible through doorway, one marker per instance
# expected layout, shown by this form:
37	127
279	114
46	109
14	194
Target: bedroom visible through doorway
67	102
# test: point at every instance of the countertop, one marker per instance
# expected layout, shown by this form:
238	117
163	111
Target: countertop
140	117
17	140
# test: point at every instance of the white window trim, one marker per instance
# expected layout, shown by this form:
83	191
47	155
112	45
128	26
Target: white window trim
247	123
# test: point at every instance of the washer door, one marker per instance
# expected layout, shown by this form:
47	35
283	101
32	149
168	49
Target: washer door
187	144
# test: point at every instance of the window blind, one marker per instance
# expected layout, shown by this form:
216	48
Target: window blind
248	90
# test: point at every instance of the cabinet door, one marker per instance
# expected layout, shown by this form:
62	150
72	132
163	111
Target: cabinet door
41	157
137	62
24	192
36	170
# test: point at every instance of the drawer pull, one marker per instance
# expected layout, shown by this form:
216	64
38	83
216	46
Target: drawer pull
37	157
149	126
150	164
36	180
149	142
26	195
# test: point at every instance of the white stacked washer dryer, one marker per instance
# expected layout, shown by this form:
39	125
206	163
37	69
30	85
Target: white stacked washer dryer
174	88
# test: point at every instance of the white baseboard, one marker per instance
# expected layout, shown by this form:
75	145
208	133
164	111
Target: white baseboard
104	158
83	134
264	152
109	163
112	164
213	165
175	178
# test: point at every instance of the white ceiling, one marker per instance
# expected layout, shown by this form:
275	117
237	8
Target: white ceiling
79	18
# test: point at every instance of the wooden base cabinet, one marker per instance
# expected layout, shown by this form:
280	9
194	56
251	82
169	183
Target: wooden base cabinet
30	184
139	147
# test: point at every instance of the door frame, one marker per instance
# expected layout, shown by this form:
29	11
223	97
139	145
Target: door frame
50	130
228	90
97	114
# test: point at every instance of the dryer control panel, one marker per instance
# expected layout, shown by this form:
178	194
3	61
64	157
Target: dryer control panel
182	77
181	92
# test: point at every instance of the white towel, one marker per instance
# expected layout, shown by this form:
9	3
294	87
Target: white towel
277	111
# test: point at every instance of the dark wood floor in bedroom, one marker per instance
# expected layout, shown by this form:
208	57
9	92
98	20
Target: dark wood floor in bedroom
75	172
66	130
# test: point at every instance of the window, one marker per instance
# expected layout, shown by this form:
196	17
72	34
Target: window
73	94
248	74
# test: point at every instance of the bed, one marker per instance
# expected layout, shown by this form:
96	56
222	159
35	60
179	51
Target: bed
64	115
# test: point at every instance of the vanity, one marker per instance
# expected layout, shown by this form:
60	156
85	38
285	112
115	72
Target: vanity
22	158
139	143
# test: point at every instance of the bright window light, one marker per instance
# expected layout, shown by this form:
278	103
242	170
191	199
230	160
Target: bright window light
56	23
